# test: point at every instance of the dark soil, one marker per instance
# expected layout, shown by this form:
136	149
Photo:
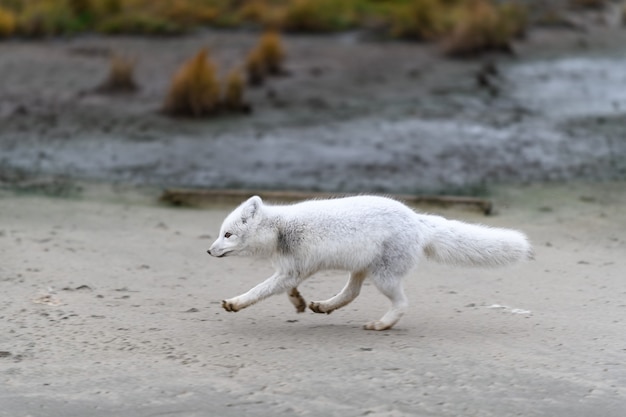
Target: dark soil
352	114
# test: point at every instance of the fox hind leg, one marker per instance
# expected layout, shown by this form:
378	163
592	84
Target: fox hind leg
392	288
297	300
349	292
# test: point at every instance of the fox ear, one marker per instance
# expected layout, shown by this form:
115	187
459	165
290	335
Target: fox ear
250	208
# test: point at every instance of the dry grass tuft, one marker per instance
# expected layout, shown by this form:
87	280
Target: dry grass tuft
409	19
111	7
8	23
121	78
483	26
420	20
272	52
82	8
195	89
46	19
138	23
253	10
187	13
233	96
517	18
255	68
266	59
319	15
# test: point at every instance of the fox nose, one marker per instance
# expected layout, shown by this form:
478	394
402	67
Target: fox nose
209	251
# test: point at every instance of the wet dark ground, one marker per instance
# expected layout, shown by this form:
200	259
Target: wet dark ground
352	115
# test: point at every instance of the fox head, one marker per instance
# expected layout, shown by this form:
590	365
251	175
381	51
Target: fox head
241	232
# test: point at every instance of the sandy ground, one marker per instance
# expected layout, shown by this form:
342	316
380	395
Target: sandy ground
110	306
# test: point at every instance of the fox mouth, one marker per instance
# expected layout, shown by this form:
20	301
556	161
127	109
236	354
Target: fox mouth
219	256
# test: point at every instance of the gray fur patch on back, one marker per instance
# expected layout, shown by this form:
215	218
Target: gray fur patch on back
429	251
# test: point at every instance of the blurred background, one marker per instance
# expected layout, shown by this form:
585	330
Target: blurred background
396	96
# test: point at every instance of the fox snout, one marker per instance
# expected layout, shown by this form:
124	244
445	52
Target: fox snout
214	253
217	252
211	251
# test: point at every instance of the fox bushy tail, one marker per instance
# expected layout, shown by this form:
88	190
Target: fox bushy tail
456	243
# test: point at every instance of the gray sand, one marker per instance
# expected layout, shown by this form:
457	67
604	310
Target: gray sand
110	306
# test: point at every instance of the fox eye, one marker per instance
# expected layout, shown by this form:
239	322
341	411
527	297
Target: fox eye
227	235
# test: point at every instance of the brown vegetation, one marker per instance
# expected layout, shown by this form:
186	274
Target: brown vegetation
121	77
483	26
266	59
420	20
195	89
255	68
406	19
464	27
272	52
8	23
319	15
187	13
233	96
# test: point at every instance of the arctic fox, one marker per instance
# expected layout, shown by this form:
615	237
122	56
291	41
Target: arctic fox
375	237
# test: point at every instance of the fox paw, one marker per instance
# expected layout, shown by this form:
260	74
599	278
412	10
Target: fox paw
297	300
317	308
229	306
377	325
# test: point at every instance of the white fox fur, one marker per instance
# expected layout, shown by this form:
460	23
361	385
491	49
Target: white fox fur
369	236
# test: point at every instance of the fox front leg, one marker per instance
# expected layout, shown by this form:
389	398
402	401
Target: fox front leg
275	284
